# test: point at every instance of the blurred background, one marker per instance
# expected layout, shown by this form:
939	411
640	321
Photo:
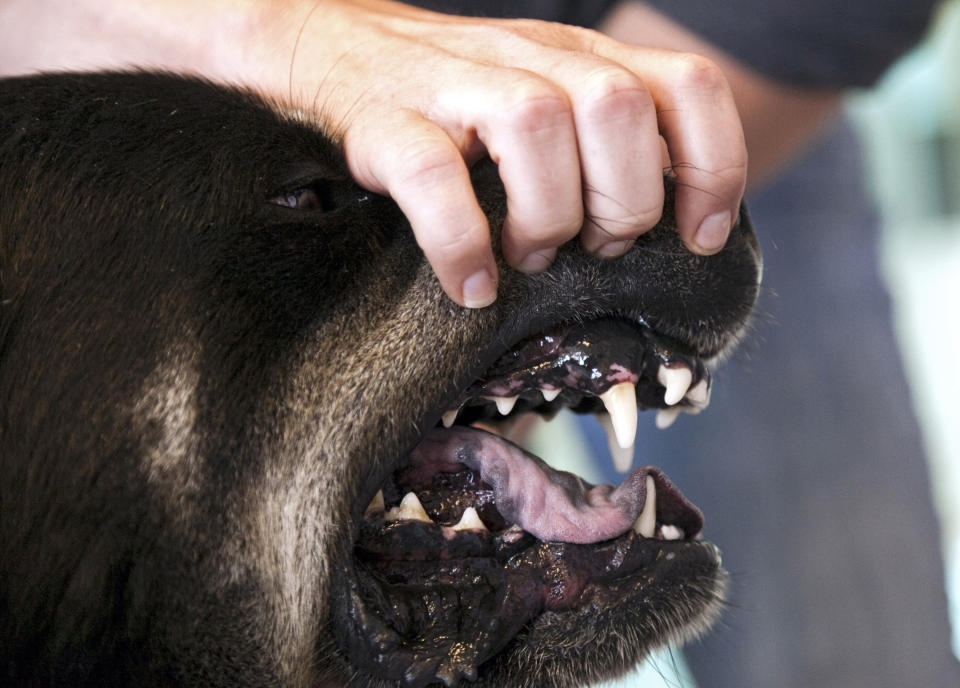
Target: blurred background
909	132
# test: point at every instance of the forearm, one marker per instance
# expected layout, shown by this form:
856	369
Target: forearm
778	121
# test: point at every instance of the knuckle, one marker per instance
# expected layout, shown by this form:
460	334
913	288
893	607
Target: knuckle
534	105
452	244
698	72
426	162
613	91
547	232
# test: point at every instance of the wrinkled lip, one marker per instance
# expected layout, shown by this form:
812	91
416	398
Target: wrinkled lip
473	538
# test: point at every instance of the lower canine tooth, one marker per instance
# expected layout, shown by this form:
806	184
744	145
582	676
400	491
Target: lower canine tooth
450	417
470	520
621	403
676	381
410	509
646	522
622	456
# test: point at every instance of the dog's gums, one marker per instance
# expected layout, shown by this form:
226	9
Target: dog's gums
247	440
473	537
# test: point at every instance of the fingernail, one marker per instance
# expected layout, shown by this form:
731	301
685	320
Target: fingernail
712	233
538	261
614	249
479	290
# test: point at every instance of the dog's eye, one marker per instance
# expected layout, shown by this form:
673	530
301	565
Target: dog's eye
302	198
319	196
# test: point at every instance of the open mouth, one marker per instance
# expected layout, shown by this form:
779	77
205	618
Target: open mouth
473	539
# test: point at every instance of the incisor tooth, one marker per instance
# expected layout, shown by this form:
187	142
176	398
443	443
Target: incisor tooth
504	404
550	394
646	522
470	520
622	456
376	504
621	403
665	418
450	417
412	510
677	382
699	394
669	532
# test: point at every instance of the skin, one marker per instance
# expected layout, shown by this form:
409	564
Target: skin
581	126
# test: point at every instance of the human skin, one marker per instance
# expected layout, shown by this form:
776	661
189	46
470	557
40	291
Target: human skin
581	126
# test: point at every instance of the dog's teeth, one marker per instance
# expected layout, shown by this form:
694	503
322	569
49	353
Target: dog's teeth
450	417
621	403
504	404
665	418
622	456
376	505
410	509
699	394
470	520
676	380
646	522
550	394
669	532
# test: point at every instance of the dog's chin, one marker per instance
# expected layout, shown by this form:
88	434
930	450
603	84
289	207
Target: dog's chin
474	560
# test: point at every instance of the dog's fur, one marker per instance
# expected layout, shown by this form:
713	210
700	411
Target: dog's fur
199	388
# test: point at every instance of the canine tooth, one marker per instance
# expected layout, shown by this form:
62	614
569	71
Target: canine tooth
504	404
412	510
550	394
621	403
665	418
676	380
646	522
699	394
450	417
376	504
470	520
622	456
670	532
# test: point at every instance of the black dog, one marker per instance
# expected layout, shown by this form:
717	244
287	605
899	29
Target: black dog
223	369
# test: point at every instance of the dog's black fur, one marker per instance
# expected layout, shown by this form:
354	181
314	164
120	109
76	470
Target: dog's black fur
200	388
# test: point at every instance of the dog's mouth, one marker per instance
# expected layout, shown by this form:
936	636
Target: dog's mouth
473	539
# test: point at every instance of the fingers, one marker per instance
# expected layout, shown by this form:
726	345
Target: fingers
581	127
698	119
416	162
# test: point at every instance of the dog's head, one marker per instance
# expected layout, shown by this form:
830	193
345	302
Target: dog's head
223	369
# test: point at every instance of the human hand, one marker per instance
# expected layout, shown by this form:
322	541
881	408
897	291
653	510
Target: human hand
581	127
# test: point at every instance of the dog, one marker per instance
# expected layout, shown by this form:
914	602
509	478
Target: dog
239	417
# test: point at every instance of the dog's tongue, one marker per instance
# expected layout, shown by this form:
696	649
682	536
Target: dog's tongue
550	504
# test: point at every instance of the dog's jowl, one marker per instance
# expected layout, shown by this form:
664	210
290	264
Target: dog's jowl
238	416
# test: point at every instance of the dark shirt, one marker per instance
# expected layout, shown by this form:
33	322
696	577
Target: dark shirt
809	43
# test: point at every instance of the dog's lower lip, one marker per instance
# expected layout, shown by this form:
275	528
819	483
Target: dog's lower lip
521	539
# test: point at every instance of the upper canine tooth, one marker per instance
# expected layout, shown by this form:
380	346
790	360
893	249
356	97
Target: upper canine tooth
622	456
646	522
677	382
621	403
470	520
550	394
376	504
450	417
504	404
411	509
